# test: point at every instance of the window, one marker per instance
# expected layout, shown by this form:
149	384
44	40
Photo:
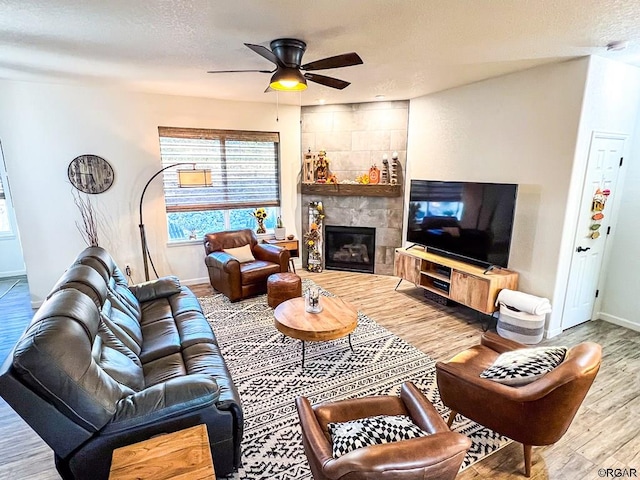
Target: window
245	175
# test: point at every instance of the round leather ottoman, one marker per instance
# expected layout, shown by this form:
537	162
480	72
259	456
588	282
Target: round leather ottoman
282	287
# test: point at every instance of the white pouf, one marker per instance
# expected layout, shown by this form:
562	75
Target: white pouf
520	326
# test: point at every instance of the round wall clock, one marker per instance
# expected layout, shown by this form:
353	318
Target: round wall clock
90	174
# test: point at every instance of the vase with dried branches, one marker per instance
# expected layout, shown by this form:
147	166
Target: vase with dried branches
88	225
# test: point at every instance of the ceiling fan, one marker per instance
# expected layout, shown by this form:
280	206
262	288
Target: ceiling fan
286	54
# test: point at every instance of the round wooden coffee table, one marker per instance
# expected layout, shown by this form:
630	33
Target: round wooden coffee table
336	320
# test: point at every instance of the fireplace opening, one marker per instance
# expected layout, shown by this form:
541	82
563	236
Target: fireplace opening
352	249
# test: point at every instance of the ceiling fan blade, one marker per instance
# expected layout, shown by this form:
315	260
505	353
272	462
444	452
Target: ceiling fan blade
327	81
269	89
264	52
344	60
240	71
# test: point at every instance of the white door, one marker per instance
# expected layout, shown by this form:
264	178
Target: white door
605	160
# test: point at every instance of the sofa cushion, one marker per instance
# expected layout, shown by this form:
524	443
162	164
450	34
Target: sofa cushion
163	369
522	366
242	254
124	326
54	356
160	288
377	430
84	279
109	338
119	366
161	338
206	359
258	271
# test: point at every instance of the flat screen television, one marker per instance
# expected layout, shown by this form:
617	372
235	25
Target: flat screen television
469	221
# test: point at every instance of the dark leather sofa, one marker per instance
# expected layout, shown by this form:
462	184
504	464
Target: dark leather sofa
240	280
103	365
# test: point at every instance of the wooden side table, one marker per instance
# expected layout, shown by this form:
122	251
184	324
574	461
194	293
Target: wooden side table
292	245
181	455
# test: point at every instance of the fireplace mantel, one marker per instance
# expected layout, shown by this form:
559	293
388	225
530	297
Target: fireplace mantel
351	189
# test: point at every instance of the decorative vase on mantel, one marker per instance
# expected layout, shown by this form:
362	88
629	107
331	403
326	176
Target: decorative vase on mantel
260	228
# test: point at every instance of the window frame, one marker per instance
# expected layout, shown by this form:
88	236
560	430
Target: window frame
221	162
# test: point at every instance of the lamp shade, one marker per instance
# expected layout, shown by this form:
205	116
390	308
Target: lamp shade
194	178
288	80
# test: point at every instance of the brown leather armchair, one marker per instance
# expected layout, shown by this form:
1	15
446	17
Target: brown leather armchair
437	456
538	413
240	280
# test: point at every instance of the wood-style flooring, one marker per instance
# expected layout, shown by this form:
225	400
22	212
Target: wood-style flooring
604	434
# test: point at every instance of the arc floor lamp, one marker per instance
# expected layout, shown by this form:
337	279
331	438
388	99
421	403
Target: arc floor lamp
187	178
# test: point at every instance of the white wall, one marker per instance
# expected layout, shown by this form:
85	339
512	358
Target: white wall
621	286
519	128
44	126
611	102
621	291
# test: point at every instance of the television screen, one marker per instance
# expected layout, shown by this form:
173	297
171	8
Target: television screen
469	220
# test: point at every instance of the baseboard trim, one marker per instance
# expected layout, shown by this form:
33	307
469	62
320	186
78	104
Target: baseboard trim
621	322
553	333
14	273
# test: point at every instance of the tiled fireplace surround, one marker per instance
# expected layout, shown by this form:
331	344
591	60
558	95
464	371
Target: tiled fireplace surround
355	137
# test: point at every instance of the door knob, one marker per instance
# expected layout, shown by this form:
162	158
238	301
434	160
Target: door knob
580	249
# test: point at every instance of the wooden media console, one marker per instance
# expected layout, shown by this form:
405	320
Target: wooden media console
452	279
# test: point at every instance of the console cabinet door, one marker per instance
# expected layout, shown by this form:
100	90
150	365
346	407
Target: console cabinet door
407	267
470	291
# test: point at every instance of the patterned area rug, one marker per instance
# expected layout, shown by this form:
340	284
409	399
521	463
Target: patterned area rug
267	371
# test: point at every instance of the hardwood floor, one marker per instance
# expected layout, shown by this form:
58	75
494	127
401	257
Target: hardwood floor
604	433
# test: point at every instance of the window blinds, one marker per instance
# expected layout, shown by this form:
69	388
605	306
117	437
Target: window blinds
244	168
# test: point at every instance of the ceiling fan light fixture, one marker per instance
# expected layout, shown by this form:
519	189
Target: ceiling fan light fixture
288	80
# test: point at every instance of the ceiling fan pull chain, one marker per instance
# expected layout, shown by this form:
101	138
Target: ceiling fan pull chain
277	107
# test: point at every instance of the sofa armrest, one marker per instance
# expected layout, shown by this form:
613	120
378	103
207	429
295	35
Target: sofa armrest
312	433
272	253
499	344
222	261
421	411
160	288
437	456
162	401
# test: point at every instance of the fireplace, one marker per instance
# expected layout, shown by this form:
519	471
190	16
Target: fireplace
350	248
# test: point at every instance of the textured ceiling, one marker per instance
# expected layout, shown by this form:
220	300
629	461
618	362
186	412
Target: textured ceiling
409	48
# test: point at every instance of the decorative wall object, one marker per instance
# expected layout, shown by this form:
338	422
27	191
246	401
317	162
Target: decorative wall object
90	174
308	168
393	180
374	174
313	238
597	206
322	167
384	174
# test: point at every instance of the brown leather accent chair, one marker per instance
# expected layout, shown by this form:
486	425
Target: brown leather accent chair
240	280
437	456
538	413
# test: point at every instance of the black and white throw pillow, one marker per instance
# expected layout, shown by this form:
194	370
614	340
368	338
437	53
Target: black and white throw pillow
363	432
519	367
